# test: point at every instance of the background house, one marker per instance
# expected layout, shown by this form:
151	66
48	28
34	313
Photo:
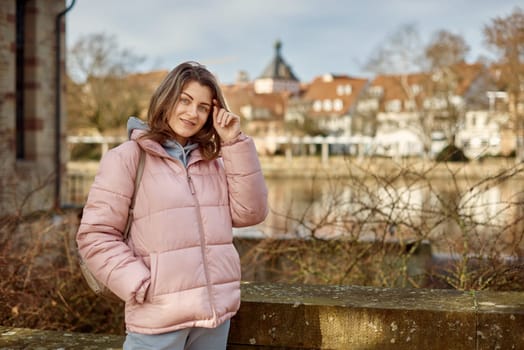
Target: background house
261	115
415	114
331	100
486	126
262	103
419	114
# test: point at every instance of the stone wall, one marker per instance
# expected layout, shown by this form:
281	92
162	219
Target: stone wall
29	178
7	99
278	316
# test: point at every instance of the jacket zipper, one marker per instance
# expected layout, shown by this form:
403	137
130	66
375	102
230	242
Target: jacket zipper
202	245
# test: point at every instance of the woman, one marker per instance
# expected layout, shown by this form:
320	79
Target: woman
179	273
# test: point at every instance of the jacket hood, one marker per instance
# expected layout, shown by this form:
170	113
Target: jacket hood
133	123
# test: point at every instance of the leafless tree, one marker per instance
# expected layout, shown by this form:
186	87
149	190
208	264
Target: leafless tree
506	36
100	94
401	52
367	230
446	49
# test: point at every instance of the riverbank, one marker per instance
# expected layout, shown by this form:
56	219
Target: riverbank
340	166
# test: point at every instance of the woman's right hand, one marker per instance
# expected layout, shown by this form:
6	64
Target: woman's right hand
226	124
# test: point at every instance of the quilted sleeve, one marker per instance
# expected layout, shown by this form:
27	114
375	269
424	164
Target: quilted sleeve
100	234
246	184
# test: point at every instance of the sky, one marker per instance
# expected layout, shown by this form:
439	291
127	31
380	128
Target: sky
317	36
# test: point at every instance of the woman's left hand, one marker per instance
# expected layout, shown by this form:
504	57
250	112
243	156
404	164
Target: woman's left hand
227	124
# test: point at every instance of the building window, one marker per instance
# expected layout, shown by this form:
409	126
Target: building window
19	76
344	90
416	89
376	91
366	105
393	106
328	105
317	106
338	104
435	103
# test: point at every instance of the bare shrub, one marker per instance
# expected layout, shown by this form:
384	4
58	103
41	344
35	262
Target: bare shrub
397	229
393	230
41	285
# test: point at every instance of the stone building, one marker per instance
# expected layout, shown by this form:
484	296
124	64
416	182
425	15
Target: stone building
33	149
277	76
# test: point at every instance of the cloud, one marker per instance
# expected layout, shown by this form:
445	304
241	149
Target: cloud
318	36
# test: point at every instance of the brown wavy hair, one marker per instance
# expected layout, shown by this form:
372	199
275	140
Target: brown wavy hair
165	98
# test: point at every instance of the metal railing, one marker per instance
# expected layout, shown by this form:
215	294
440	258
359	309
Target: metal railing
76	188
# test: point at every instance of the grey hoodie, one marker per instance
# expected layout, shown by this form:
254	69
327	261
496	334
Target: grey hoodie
172	147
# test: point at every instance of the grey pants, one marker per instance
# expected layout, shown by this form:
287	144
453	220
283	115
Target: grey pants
184	339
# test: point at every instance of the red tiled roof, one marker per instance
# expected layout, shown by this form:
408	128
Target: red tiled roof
395	86
240	96
331	87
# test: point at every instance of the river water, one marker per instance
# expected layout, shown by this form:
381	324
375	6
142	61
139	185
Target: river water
453	215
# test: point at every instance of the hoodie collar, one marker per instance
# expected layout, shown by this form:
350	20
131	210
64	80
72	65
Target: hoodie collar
176	150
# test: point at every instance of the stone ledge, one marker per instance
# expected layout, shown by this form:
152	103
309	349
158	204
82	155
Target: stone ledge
21	338
279	316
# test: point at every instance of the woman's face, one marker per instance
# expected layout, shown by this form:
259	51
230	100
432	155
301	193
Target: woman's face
190	111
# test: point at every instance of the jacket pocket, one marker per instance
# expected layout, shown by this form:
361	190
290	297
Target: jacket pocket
177	270
154	272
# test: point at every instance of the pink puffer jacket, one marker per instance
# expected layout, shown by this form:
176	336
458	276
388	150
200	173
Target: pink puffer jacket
179	268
